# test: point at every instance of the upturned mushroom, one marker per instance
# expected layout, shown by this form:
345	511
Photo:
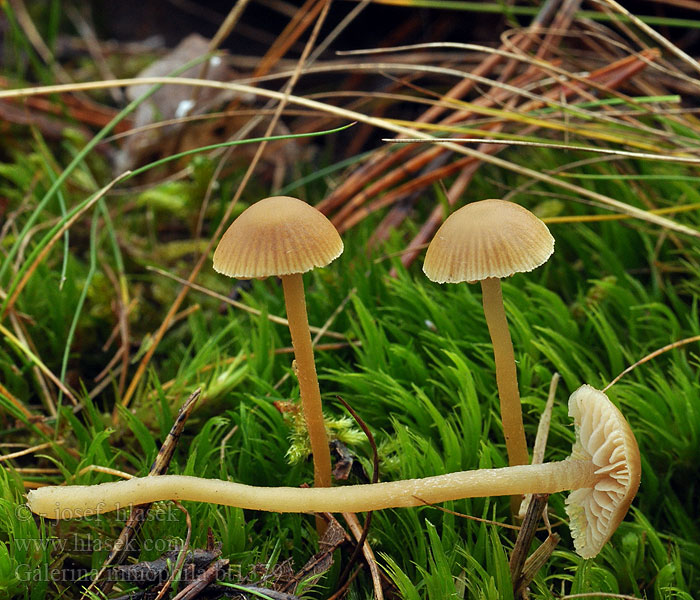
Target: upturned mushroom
486	241
286	237
603	470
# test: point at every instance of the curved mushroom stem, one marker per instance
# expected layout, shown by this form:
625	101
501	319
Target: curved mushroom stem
506	375
68	502
293	286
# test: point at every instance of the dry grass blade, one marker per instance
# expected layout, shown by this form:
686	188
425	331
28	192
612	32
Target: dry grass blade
563	75
33	485
165	454
31	418
653	34
470	517
514	89
557	146
654	354
350	115
37	40
222	33
26	451
123	306
545	420
618	217
38	471
338	29
106	380
241	306
357	531
391	67
47	248
104	470
17	343
86	31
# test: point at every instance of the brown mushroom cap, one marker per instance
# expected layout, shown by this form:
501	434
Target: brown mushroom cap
603	436
277	236
490	238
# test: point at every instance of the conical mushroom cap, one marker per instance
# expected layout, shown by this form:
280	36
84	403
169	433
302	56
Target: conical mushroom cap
603	436
277	236
490	238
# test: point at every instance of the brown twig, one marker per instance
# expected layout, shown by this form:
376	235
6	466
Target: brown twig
525	537
361	542
203	581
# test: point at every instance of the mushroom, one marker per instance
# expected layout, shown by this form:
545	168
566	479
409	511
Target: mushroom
486	241
286	237
603	470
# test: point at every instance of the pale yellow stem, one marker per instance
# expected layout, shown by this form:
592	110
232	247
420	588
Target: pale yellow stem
68	502
293	286
506	374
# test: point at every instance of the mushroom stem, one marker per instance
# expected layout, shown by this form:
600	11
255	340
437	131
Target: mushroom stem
293	286
67	502
506	375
